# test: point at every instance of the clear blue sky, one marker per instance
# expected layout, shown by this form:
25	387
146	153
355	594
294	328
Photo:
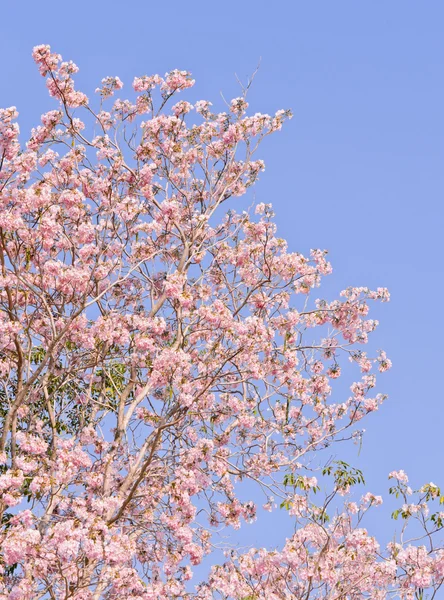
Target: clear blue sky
359	170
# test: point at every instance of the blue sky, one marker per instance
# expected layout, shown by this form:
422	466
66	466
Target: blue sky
359	169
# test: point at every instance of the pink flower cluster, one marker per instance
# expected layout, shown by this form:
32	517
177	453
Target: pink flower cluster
159	349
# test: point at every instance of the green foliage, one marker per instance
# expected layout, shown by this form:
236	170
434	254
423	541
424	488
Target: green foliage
298	483
344	475
37	355
113	381
437	519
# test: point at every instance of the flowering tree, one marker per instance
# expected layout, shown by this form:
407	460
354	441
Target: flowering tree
155	353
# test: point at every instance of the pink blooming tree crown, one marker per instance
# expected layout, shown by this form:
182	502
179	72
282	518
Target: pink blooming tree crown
158	348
